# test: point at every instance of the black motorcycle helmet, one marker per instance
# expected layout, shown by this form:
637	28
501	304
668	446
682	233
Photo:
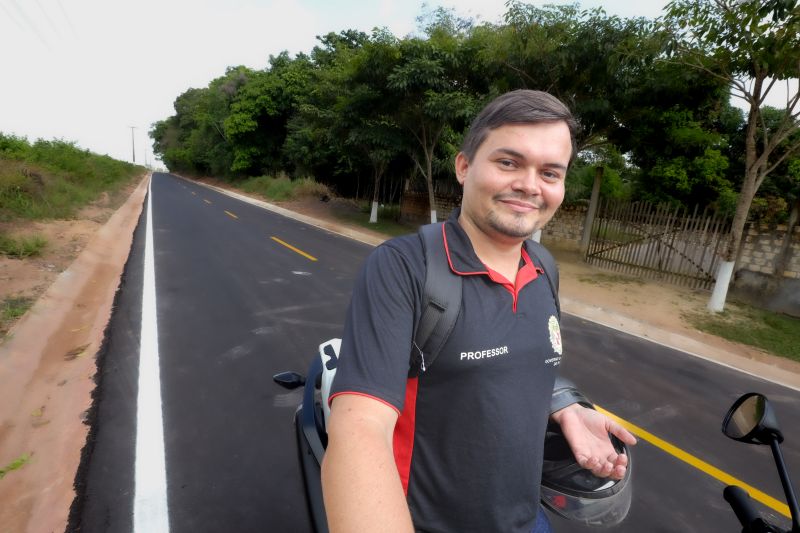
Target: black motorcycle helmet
574	492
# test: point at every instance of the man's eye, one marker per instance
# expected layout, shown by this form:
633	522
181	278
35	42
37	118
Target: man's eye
551	176
508	163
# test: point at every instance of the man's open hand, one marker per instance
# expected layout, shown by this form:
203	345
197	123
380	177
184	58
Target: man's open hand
587	431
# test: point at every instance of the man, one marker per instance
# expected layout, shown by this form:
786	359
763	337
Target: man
458	446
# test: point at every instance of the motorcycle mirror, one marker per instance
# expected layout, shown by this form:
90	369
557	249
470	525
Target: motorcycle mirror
289	380
752	420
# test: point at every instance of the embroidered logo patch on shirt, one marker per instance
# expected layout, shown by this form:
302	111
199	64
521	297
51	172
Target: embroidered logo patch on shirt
555	334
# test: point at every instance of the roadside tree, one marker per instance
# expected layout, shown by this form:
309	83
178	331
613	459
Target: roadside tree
430	93
753	46
260	112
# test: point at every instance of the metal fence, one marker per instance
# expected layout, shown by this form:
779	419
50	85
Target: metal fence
658	241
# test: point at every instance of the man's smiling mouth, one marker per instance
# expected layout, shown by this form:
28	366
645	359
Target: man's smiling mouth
519	205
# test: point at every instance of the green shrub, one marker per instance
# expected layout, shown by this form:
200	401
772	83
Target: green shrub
12	147
305	187
53	179
15	192
259	185
282	188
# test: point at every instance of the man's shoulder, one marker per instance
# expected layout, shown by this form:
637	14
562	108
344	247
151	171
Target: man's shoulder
406	248
406	242
397	261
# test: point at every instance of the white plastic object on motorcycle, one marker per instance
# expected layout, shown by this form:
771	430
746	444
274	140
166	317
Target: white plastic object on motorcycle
329	352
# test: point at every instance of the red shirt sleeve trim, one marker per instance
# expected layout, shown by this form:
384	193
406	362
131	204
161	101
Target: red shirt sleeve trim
330	400
403	439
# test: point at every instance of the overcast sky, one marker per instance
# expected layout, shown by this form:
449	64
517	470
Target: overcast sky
87	70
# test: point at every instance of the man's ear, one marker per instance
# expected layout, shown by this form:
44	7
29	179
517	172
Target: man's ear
461	165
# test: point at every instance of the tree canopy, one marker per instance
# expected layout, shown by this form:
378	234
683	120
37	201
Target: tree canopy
371	114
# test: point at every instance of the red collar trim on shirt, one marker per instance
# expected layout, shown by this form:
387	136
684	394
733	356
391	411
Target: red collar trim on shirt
527	273
466	257
450	259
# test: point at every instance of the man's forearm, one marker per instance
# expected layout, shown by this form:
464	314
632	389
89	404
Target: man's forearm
361	486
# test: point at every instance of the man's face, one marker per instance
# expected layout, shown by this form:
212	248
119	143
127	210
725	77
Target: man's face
515	182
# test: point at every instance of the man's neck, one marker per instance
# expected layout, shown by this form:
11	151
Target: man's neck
499	253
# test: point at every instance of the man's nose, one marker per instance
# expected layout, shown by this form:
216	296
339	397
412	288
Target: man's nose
528	182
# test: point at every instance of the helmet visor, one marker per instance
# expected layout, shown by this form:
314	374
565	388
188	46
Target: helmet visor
604	506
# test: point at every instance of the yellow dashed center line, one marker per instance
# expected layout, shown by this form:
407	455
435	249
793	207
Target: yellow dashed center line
701	465
292	248
231	215
207	201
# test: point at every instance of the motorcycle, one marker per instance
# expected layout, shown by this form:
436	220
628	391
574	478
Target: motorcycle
752	420
310	421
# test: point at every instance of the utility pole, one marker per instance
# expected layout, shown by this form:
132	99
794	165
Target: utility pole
133	145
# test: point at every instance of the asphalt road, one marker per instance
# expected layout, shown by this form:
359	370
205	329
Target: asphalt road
236	306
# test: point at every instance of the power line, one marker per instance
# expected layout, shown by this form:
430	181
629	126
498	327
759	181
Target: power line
49	20
12	17
31	24
66	17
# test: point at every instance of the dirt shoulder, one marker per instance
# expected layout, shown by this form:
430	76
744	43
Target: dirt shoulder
47	360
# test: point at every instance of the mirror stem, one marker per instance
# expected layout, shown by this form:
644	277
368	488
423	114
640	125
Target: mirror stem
791	499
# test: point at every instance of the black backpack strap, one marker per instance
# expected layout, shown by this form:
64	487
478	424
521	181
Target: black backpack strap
541	255
441	299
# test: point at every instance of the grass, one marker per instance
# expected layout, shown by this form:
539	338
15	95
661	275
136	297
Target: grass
774	332
15	464
609	279
21	247
388	220
14	307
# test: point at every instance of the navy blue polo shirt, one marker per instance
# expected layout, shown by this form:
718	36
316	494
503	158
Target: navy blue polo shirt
468	441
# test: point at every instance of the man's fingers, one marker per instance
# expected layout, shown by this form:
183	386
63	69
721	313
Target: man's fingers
614	466
588	463
622	434
604	470
619	459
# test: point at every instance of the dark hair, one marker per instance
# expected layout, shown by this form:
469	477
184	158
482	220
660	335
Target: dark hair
522	106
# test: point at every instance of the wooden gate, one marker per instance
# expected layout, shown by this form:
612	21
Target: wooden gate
658	241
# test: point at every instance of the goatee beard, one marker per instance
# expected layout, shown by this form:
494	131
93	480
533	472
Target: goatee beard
518	228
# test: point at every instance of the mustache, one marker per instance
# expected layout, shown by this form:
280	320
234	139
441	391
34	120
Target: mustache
535	201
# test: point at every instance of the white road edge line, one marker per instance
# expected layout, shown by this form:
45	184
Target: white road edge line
150	513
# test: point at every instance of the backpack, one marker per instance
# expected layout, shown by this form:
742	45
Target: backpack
442	297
